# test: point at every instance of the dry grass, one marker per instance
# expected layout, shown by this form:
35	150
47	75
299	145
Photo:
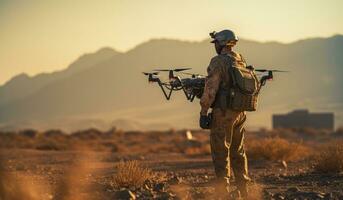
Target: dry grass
146	142
276	149
330	158
130	174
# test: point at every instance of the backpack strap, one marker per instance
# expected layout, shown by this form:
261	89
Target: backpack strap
230	70
223	96
242	58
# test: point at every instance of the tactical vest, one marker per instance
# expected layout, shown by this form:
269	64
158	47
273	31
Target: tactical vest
238	92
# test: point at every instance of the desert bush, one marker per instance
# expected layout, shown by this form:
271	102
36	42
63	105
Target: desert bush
30	133
54	133
276	149
339	131
89	134
110	145
330	158
50	145
130	174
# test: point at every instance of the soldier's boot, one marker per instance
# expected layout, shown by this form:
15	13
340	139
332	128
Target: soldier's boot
243	189
235	195
221	189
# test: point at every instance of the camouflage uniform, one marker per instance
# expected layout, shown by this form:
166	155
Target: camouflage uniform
227	126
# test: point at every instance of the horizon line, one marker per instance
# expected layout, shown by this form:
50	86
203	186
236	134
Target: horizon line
166	38
203	40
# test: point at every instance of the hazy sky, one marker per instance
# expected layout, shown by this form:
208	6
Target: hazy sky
46	35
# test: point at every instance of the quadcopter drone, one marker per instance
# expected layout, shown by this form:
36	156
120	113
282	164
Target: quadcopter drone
192	86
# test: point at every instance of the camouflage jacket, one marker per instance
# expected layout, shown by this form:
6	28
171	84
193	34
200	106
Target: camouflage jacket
218	74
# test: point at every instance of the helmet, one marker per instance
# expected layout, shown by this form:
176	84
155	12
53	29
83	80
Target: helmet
223	37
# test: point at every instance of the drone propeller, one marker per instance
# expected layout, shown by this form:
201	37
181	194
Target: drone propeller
175	70
266	70
171	74
193	75
152	73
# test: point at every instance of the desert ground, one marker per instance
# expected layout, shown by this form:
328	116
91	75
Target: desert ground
174	164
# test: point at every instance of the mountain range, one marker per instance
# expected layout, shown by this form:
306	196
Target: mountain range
106	88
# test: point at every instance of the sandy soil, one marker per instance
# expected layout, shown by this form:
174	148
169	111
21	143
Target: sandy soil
184	176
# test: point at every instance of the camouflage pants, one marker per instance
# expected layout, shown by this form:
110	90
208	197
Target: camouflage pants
227	137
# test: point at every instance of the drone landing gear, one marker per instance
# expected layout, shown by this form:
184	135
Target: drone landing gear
167	94
164	91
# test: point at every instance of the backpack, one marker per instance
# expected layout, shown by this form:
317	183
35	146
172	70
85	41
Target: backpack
242	93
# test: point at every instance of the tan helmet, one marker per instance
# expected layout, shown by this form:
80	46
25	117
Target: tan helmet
224	37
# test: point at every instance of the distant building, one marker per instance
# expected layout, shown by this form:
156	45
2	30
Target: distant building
304	119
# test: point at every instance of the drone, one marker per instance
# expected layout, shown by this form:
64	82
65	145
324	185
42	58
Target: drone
194	85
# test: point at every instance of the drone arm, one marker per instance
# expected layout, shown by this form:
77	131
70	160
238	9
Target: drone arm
188	96
164	91
266	77
192	97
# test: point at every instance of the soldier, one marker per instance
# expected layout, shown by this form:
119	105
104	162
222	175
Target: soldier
226	125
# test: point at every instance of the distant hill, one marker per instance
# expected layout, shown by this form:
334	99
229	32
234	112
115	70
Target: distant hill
109	86
22	85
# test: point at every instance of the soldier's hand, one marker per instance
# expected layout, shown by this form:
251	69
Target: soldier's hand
204	121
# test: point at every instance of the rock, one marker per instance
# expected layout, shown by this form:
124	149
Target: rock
141	157
278	196
125	194
319	196
175	180
165	196
146	187
189	135
328	196
160	187
308	195
147	193
293	190
268	194
284	164
315	195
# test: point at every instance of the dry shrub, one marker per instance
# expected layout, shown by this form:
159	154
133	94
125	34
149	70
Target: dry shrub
339	131
330	158
130	174
50	145
30	133
276	149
